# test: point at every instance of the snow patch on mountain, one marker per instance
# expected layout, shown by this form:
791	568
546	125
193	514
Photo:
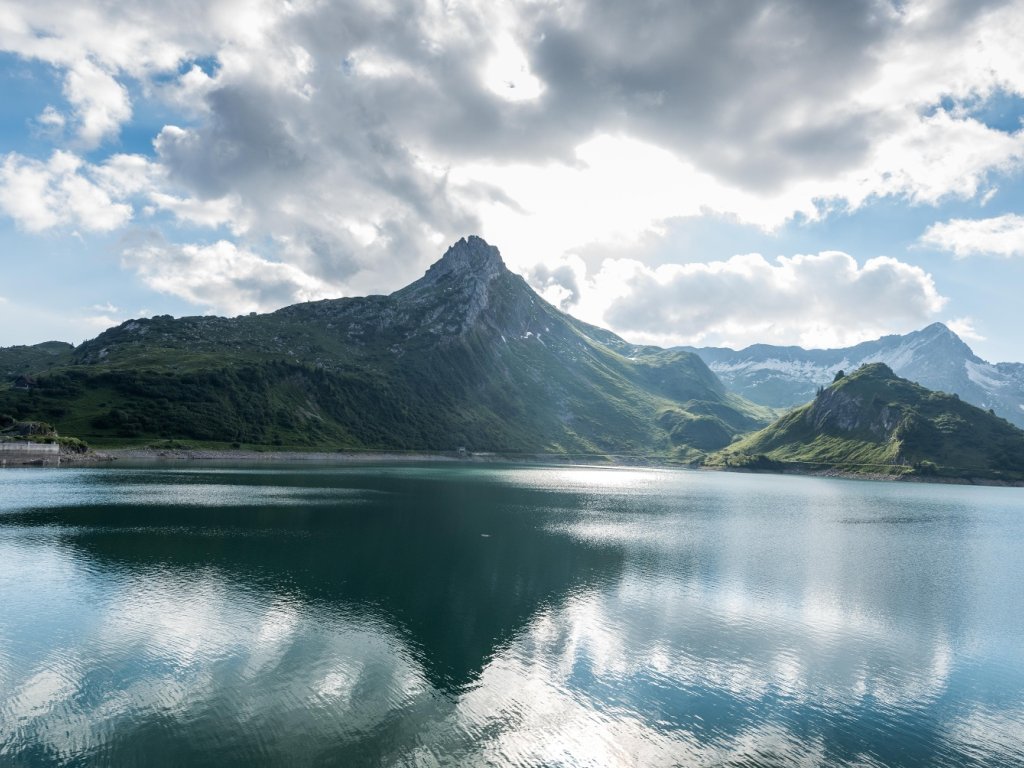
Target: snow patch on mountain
985	375
935	357
900	357
797	369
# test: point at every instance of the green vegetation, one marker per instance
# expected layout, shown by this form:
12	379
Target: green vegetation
13	430
873	422
25	361
467	356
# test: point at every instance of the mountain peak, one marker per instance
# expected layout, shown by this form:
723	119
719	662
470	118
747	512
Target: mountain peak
938	329
945	338
471	256
459	286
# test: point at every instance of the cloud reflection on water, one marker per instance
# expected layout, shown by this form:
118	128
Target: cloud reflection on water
722	628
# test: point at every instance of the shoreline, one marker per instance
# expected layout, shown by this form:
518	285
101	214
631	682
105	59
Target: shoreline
881	476
169	455
103	455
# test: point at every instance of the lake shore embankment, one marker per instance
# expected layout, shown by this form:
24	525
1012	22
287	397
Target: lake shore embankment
162	455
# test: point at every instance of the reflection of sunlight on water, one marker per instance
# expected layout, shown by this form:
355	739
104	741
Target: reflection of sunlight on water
43	690
602	482
275	634
60	488
987	735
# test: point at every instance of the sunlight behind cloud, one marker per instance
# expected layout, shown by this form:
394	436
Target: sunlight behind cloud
508	74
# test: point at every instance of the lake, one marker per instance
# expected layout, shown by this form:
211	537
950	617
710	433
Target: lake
460	614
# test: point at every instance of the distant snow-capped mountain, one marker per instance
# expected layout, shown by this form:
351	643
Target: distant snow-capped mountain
935	357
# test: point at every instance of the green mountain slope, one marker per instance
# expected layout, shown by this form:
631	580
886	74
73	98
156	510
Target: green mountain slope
872	421
26	360
466	356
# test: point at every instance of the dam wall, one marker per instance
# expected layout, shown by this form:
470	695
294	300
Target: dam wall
29	453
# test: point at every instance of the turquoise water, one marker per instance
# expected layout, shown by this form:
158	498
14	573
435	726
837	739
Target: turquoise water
468	615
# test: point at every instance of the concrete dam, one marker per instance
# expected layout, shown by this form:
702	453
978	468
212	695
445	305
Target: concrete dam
14	453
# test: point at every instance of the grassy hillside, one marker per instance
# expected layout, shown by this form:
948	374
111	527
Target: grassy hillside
26	360
466	356
872	421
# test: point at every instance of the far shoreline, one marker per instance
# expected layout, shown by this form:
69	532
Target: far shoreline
175	455
157	454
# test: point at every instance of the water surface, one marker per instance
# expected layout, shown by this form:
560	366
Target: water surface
469	615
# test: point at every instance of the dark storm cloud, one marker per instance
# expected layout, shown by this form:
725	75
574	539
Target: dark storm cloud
731	85
246	143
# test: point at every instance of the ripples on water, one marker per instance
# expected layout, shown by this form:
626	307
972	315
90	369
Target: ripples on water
529	616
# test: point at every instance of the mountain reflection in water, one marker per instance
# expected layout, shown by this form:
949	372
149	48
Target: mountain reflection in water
423	615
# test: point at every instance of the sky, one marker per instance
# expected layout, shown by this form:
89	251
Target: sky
714	174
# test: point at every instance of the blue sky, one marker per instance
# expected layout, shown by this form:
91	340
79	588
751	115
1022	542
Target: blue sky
711	174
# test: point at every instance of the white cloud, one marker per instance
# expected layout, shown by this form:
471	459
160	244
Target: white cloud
50	119
101	103
821	300
224	277
66	191
224	211
134	37
123	176
189	91
964	328
355	136
99	323
57	193
620	190
930	158
998	236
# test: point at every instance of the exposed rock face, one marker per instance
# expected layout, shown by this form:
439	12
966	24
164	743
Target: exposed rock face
835	409
838	410
470	257
458	286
